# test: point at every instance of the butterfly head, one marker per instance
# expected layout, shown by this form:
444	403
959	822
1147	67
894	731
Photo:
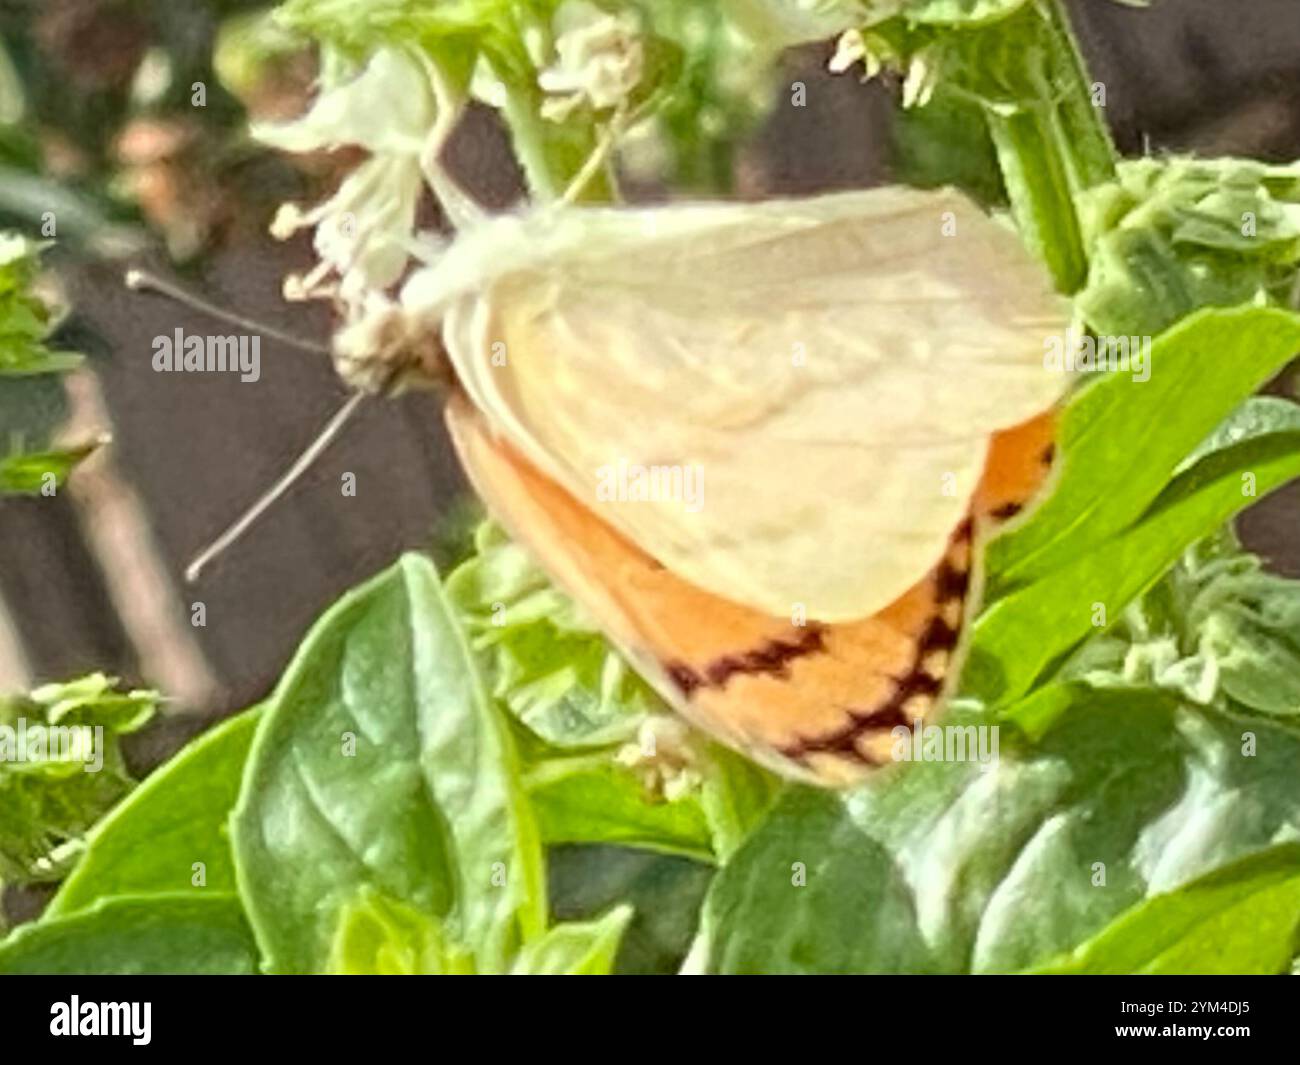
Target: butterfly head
388	349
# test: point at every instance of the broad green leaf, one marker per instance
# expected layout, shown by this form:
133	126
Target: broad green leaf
1037	712
1020	635
941	866
129	935
593	800
1120	438
576	948
379	936
380	764
736	795
664	891
150	842
1240	920
810	892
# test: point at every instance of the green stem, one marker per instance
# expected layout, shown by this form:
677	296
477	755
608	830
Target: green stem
1042	202
1052	149
550	153
1091	155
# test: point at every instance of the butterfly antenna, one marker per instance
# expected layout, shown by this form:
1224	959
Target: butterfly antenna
143	281
300	466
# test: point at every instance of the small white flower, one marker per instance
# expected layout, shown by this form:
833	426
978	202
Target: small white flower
851	48
664	757
599	60
364	231
922	77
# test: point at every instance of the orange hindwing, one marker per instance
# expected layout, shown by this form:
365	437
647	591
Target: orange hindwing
814	701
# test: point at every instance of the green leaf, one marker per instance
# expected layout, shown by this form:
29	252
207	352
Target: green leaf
1138	432
941	866
91	700
150	842
593	800
1256	649
380	764
33	473
1240	920
1170	236
947	143
818	877
1257	417
736	795
381	936
576	948
665	892
549	665
28	458
558	676
125	936
61	769
19	359
1019	637
24	318
1218	630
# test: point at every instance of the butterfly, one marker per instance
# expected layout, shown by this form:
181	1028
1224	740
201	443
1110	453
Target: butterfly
858	381
762	444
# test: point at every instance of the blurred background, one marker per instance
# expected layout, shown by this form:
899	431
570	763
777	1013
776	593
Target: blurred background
98	124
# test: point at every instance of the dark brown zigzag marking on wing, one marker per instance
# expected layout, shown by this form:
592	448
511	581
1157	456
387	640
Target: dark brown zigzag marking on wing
951	583
772	658
1008	510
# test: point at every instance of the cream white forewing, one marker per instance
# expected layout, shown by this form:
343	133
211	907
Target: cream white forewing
809	386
